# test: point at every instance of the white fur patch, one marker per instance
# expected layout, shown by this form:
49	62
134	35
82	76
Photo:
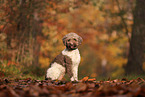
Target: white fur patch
55	71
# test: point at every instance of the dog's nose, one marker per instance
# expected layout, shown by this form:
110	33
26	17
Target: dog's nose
71	43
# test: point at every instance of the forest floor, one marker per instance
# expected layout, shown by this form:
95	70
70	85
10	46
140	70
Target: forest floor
84	88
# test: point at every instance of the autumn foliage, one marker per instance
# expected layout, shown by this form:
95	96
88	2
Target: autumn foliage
31	34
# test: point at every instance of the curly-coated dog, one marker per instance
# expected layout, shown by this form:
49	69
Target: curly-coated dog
67	61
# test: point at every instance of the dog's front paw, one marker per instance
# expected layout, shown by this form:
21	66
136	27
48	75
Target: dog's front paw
73	79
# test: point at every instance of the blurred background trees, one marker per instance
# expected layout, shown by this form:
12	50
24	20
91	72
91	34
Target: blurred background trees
31	33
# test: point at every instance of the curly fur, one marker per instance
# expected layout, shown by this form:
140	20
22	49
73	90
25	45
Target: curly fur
67	61
72	35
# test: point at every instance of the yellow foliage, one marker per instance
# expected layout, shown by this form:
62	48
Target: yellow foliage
45	47
44	62
104	37
119	62
114	50
117	73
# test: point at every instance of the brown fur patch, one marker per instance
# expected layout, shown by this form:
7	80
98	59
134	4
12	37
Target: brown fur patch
65	61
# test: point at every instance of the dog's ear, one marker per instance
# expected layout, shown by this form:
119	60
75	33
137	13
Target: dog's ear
80	40
64	40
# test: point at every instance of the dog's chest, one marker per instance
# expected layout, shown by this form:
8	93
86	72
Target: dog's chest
74	55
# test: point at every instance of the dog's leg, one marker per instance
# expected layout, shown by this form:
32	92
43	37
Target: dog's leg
69	70
75	73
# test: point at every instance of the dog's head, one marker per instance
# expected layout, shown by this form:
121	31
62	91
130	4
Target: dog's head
72	41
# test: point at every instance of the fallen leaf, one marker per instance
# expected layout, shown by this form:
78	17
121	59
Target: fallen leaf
85	79
92	79
80	87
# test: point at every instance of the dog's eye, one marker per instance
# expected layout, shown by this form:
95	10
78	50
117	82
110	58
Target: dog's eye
68	40
75	39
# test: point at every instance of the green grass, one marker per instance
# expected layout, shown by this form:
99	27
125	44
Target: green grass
35	77
128	77
37	73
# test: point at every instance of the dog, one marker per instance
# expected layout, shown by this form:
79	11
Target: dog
67	61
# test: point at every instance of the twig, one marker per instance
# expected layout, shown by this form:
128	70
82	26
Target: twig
123	21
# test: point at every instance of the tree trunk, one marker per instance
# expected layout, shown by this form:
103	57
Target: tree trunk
137	44
37	31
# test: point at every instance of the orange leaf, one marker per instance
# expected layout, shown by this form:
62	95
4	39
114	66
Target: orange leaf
93	79
85	78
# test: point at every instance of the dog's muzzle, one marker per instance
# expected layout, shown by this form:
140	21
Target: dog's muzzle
71	46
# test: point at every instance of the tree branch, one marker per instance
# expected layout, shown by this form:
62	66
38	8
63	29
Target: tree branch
123	21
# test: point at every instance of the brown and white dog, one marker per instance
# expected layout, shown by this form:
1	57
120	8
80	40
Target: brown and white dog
67	61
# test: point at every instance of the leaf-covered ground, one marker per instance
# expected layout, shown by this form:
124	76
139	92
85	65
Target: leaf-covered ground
84	88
